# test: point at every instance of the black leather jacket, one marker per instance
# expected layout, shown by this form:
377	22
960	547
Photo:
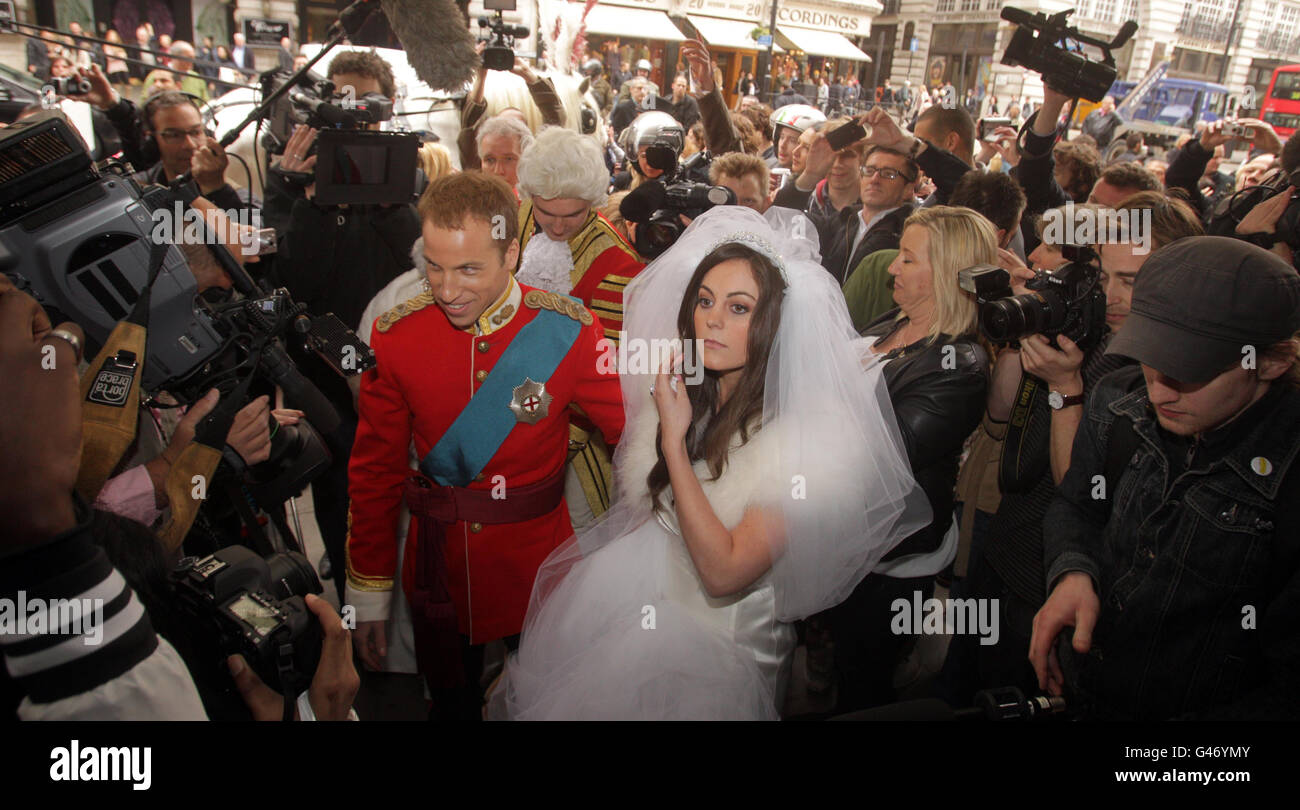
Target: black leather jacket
938	390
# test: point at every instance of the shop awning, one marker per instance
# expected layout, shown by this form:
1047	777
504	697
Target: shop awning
727	33
636	23
822	43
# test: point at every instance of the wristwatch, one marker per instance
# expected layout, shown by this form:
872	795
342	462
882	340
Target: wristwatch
1058	400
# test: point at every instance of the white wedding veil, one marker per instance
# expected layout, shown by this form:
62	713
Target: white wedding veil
842	479
835	467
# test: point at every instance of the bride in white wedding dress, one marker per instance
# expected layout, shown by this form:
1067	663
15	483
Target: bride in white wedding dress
759	496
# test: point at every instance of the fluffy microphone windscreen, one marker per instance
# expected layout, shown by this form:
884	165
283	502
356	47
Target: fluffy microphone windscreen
437	43
642	201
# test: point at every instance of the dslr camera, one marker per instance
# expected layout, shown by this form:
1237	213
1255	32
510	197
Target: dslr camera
500	51
1039	43
1066	301
242	603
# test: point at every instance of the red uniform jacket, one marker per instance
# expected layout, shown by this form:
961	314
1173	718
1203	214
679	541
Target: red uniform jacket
427	372
603	264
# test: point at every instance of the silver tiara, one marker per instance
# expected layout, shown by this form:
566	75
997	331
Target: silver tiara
757	243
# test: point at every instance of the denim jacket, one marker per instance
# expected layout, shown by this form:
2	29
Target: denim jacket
1195	557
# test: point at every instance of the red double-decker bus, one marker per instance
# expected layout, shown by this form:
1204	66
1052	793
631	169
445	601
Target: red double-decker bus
1282	102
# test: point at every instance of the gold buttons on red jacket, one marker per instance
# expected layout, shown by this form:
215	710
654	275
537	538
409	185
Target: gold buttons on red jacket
476	527
480	375
483	346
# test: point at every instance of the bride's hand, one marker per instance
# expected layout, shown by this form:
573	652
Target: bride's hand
674	408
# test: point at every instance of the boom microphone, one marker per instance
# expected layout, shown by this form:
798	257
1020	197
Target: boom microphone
437	42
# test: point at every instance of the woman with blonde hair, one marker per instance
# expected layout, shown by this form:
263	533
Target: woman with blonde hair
936	372
435	160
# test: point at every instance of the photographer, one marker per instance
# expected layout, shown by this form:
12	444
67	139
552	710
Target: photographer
335	258
1196	449
1047	398
53	548
94	128
1197	160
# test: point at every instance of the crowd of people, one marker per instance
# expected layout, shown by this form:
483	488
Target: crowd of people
1117	488
151	61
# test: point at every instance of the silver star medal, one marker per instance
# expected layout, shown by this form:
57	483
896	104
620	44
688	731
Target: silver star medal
531	403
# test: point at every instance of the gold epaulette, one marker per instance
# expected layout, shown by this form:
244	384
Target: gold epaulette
563	304
403	309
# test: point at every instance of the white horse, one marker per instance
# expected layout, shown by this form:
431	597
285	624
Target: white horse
417	108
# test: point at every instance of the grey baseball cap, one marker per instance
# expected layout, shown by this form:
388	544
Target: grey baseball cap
1199	301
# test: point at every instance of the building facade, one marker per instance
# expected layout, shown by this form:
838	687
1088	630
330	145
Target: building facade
961	41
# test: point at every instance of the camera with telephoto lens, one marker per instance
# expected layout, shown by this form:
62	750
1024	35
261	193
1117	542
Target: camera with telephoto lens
69	85
239	602
1066	301
1039	43
671	199
499	54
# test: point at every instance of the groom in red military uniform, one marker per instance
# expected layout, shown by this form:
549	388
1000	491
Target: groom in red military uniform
480	372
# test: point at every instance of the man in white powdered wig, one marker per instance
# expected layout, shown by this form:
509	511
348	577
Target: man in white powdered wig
568	248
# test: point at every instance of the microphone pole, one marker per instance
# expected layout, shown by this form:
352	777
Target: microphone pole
349	22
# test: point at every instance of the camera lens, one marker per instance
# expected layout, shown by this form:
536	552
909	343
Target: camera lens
1012	318
658	236
292	575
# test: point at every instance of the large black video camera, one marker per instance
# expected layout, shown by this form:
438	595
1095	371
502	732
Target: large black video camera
499	54
81	241
1066	301
354	165
238	602
657	206
1040	44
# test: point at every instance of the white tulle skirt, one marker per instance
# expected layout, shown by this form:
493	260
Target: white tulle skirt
628	632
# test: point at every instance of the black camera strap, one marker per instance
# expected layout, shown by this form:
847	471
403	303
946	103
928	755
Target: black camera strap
1012	472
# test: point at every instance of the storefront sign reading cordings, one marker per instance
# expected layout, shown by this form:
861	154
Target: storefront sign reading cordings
802	15
788	12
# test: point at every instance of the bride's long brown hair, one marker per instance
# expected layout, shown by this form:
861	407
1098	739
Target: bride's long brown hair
712	428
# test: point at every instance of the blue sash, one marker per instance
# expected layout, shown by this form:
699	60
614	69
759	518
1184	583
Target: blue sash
479	431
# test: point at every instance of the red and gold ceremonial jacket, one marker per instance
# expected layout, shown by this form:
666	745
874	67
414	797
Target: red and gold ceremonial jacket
427	371
603	264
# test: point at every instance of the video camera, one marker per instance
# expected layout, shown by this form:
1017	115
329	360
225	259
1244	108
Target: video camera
1066	301
354	165
657	206
500	51
239	602
1040	44
82	240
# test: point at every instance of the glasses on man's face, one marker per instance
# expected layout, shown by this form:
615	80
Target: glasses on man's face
175	135
888	174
